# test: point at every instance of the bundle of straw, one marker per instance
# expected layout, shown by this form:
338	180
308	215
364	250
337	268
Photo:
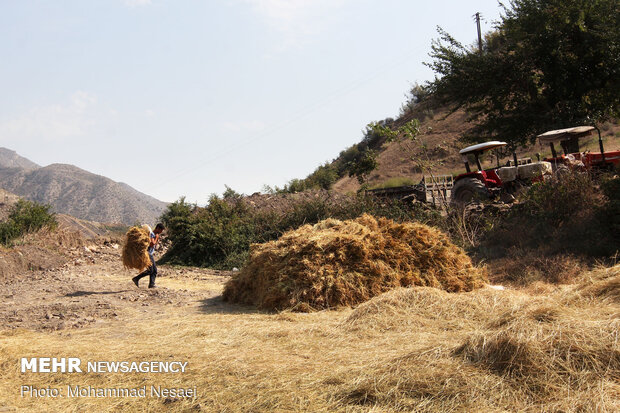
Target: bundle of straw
135	253
344	263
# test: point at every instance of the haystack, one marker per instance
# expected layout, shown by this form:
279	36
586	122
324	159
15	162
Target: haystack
344	263
135	253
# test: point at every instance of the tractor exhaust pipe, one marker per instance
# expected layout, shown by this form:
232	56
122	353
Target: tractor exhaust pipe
600	144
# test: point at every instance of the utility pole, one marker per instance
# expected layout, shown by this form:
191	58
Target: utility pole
479	33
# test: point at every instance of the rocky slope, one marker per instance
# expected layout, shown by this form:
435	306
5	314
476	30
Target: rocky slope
74	191
10	159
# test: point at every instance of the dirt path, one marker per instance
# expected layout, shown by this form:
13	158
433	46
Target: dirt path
93	287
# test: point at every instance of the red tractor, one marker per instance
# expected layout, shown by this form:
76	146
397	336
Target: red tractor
504	181
572	157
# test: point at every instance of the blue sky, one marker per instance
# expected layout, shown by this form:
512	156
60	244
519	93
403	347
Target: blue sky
180	98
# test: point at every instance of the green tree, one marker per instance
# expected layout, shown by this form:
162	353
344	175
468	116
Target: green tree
25	217
363	165
180	221
323	177
416	95
549	64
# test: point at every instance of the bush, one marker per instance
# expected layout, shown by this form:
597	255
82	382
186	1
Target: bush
610	213
220	235
364	165
207	236
25	217
558	201
323	177
571	213
348	155
416	95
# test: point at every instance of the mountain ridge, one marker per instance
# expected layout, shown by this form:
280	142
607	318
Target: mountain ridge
10	158
77	192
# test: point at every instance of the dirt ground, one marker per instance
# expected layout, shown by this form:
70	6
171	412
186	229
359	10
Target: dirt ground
92	286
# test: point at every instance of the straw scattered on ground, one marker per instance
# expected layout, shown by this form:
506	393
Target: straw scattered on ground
493	350
416	349
344	263
603	285
135	255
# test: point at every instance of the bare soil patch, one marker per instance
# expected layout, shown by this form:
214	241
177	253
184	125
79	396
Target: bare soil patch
43	290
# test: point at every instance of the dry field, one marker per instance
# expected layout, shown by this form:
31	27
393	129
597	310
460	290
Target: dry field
414	349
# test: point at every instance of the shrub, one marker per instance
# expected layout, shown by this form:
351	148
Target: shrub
416	95
610	213
557	201
207	236
323	177
220	235
570	213
26	217
346	156
364	165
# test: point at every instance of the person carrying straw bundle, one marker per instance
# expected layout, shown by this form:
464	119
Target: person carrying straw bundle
151	271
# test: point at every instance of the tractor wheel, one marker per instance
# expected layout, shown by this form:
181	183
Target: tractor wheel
467	190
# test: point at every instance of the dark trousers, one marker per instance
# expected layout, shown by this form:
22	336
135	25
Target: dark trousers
150	271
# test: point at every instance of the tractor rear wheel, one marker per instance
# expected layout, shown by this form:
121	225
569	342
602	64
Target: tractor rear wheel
468	190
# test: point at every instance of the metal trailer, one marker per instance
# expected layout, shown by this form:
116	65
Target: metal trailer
434	190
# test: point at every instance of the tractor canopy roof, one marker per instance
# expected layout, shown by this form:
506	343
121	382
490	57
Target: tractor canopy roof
481	147
565	134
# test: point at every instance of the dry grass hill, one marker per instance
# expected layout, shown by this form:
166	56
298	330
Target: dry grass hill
74	191
441	130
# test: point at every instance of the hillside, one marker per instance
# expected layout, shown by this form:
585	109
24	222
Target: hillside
86	229
76	192
440	132
10	159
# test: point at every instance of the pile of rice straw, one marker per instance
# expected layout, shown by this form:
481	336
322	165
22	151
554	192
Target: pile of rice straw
344	263
135	253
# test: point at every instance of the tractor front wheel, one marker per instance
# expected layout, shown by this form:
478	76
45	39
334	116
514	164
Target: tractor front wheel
468	190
